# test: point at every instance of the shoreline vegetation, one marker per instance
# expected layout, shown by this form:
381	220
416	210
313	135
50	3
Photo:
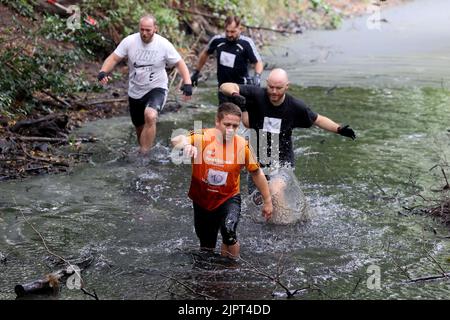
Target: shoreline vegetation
48	85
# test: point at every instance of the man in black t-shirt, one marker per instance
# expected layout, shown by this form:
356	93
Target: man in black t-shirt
274	113
234	53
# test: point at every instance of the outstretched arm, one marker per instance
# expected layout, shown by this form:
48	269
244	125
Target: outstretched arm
229	88
202	60
181	142
261	183
187	85
328	124
259	67
184	71
232	89
108	66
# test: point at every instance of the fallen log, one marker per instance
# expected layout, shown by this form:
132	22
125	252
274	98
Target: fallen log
48	285
51	282
49	126
57	99
47	139
432	277
92	103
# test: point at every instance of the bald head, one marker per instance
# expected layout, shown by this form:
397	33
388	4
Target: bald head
277	85
278	76
148	18
147	28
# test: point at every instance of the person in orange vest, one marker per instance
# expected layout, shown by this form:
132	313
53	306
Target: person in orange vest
218	155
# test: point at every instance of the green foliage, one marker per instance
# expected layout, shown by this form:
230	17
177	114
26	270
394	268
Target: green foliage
86	39
23	7
25	72
30	67
334	20
226	7
124	15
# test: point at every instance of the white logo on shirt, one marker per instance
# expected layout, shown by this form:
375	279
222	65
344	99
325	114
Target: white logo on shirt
272	125
227	59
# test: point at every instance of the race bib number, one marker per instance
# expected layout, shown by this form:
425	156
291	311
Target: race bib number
272	125
142	76
227	59
217	178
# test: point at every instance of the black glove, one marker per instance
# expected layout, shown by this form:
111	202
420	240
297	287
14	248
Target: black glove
187	90
239	100
194	77
347	132
101	75
256	80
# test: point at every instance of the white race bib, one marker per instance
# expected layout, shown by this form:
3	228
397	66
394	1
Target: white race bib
217	178
142	76
227	59
272	125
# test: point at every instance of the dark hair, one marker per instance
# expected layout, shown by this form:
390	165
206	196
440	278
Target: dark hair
229	20
228	108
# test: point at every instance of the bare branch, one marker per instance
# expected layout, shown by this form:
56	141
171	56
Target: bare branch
188	287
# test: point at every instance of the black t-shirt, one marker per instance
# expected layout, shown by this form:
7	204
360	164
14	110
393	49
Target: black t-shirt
269	120
233	58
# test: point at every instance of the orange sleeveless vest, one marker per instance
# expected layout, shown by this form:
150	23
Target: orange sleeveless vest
216	169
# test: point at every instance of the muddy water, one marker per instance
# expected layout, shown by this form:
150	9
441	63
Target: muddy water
134	217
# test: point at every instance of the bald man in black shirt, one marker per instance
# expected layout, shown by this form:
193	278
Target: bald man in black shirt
274	113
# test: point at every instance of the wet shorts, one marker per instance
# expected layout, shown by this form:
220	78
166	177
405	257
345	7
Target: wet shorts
226	218
155	99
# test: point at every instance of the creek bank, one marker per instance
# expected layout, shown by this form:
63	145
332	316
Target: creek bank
31	145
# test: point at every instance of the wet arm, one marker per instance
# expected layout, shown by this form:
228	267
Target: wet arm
245	120
259	67
202	60
184	71
228	88
326	124
263	186
110	62
179	142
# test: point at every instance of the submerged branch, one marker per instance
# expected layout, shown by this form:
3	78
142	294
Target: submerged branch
431	277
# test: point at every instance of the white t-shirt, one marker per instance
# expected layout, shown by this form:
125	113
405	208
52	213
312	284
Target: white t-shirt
147	62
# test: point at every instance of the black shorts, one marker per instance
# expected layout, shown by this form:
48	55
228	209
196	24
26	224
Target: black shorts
226	218
155	99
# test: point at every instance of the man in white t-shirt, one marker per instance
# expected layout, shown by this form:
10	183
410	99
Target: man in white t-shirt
148	55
